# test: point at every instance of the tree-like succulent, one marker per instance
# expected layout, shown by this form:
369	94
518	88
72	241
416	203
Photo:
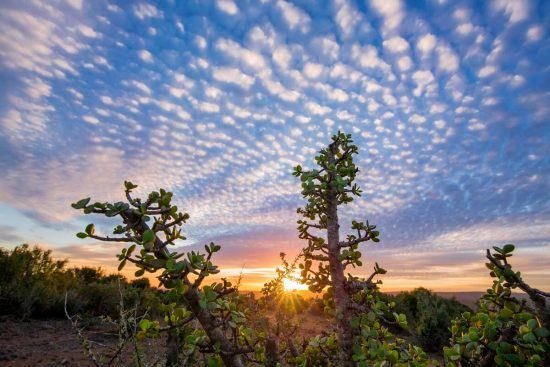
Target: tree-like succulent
149	227
358	310
504	331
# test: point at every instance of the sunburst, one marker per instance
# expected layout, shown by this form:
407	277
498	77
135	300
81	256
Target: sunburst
292	285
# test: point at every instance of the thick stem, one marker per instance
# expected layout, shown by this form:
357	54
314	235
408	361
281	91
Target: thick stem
172	359
271	351
214	332
338	278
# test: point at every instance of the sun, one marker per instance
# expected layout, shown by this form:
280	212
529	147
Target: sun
292	285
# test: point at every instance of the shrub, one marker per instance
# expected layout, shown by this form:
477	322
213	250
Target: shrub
504	331
429	316
32	284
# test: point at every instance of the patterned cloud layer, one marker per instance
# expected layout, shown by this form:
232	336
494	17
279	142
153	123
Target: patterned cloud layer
448	102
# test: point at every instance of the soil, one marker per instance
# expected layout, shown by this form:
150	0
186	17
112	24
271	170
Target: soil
40	343
52	343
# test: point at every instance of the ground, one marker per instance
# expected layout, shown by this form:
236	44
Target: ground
49	343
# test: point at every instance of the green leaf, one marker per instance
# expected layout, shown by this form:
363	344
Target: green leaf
130	250
532	324
506	313
542	332
148	236
530	338
81	203
139	273
508	248
81	235
121	265
90	229
129	186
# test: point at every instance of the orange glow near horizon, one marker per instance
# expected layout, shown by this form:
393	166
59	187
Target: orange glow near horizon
254	280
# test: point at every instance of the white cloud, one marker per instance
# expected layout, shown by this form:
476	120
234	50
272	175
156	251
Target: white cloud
368	58
295	132
90	119
327	47
391	11
389	99
201	42
317	109
396	44
106	100
87	31
534	33
313	70
77	4
447	59
347	17
145	55
465	29
440	124
209	107
486	71
517	10
404	63
144	11
426	43
248	58
294	16
417	119
282	56
303	119
233	76
422	78
141	86
227	6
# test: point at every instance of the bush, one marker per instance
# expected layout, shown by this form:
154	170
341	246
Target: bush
32	284
429	316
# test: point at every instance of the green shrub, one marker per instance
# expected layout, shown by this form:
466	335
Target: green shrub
429	316
32	284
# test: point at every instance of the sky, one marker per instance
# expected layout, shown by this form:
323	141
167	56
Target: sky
448	102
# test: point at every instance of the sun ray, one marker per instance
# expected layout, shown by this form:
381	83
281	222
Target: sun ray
292	285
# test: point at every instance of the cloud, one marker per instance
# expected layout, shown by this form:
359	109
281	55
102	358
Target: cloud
426	43
347	17
391	11
227	6
145	55
90	119
396	44
294	17
9	236
313	70
517	10
486	71
233	76
144	11
317	109
248	58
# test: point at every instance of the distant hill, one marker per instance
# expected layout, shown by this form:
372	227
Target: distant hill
466	298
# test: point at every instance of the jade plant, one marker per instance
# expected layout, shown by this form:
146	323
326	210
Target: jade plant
505	331
148	229
360	314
